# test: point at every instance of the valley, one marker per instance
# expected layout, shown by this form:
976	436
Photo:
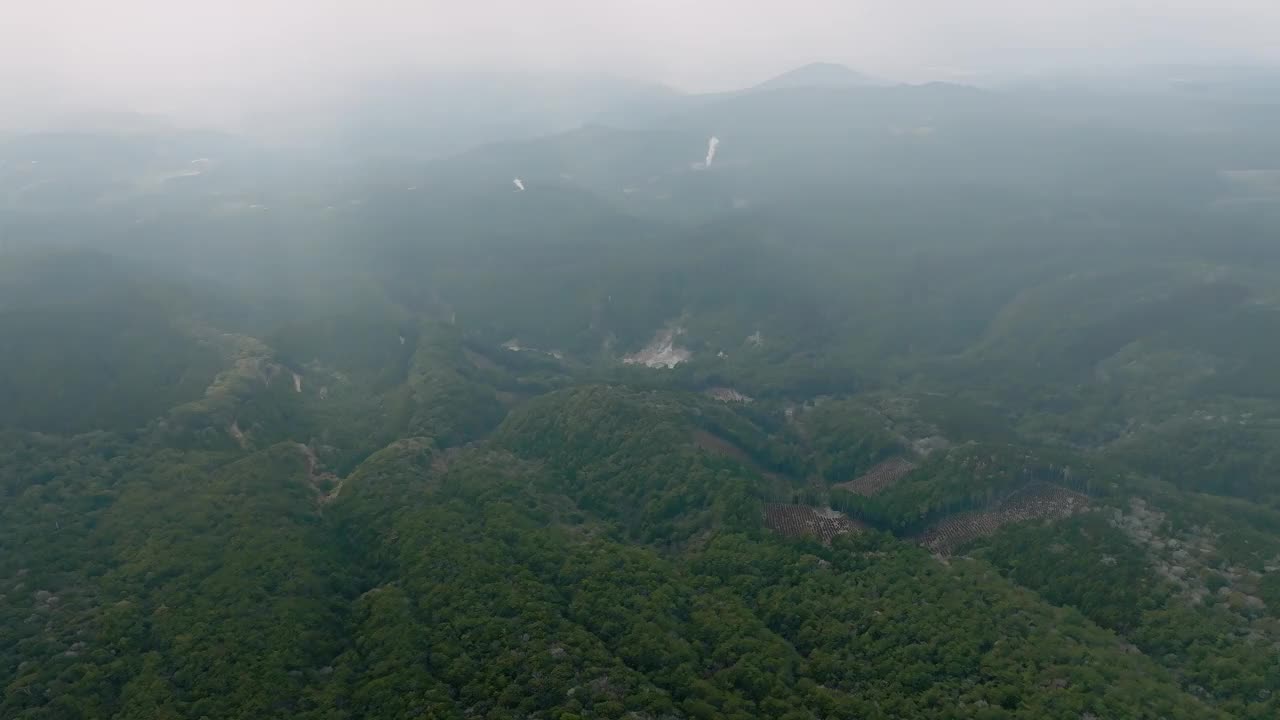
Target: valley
825	398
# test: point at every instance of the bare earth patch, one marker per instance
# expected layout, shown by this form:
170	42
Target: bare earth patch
661	352
728	394
326	484
238	435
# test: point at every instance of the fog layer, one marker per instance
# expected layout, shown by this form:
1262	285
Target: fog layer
214	59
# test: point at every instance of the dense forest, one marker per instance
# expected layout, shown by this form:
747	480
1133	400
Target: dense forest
921	401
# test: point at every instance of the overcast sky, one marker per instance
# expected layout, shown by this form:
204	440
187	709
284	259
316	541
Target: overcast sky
157	52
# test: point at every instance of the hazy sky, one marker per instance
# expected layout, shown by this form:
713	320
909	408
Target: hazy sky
157	52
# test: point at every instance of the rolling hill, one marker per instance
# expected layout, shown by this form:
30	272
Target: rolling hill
913	401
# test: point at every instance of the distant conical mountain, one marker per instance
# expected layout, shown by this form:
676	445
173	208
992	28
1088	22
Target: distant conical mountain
817	75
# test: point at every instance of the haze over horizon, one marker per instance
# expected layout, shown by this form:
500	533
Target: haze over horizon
213	61
639	360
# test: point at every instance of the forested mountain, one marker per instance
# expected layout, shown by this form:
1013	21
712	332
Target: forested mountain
822	399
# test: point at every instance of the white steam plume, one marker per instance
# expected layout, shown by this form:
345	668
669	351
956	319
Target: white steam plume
711	151
519	185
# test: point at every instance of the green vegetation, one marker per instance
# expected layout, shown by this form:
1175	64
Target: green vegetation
403	443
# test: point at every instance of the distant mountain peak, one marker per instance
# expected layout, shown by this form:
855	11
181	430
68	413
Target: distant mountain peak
818	74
